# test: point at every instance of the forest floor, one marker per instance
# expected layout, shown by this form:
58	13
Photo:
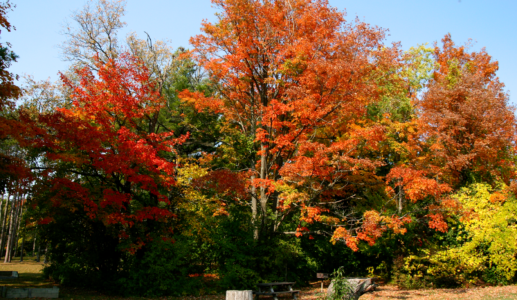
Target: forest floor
31	276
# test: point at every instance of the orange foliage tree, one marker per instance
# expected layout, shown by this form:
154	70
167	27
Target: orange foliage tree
464	131
466	119
296	79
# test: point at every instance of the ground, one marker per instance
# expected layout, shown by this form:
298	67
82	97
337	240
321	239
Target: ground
30	275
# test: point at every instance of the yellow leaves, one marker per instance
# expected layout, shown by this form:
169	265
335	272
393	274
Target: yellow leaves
189	171
419	66
288	196
490	229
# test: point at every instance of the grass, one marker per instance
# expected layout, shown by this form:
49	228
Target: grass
29	272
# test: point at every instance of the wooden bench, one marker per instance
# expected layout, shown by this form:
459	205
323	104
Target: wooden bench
268	289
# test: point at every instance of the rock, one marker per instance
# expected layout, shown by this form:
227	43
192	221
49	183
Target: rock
239	295
358	287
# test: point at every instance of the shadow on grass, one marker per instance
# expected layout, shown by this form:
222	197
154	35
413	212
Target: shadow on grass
27	280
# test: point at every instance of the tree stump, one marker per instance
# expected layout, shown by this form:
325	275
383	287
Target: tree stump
358	286
239	295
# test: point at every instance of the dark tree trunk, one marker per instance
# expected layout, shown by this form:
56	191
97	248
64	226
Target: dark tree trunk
46	255
17	221
38	257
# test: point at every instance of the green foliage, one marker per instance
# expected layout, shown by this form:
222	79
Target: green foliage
341	286
420	66
164	270
243	261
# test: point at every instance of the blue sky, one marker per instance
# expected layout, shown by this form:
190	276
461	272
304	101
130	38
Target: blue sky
491	24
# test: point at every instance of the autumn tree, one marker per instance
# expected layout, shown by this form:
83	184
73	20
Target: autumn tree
10	166
296	80
94	33
466	118
106	164
464	132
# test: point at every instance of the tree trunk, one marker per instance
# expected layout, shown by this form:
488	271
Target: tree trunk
254	208
17	222
4	223
400	200
353	289
9	231
21	249
46	255
39	253
1	214
263	194
239	295
34	238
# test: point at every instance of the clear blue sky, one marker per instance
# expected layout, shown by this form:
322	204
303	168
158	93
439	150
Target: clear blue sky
491	24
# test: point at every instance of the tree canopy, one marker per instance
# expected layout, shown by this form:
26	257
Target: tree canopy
287	140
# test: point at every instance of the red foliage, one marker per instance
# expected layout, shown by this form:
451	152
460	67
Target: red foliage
109	135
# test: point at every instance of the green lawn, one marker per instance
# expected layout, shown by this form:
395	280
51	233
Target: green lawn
29	271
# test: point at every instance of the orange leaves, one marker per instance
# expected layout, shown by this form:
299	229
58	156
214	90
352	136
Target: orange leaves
465	116
300	230
296	79
311	214
437	222
415	184
498	198
200	102
330	116
342	233
120	91
372	228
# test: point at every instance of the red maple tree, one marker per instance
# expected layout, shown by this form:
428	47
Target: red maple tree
106	153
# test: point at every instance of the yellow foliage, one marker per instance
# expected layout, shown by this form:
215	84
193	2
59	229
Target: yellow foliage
489	239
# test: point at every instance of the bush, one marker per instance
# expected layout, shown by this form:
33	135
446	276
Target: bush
163	271
340	286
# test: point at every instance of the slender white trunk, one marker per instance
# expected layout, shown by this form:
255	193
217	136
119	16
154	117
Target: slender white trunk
1	214
34	238
9	231
400	200
254	208
4	223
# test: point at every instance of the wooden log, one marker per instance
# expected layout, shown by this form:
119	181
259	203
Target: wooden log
358	287
239	295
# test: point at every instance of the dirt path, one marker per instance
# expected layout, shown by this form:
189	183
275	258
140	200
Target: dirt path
392	293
